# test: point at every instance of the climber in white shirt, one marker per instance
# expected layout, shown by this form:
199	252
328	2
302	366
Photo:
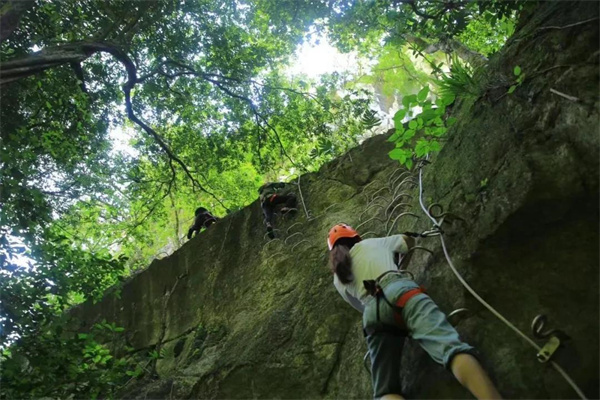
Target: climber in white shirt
394	307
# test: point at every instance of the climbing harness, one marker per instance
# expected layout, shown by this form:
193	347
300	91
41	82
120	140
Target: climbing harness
373	288
544	354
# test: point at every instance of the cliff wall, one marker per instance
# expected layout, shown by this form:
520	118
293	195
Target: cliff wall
237	316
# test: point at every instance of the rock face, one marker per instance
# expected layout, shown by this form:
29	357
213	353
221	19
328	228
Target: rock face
236	316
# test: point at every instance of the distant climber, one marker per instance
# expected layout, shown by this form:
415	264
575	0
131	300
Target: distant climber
203	219
395	307
271	195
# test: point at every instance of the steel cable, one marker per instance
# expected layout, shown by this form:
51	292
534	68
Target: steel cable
480	299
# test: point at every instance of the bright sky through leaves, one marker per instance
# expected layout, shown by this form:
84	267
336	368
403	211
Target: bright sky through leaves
316	57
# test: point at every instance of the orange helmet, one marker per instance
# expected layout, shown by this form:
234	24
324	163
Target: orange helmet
340	231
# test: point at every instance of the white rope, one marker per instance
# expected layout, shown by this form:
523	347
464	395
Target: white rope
302	199
480	299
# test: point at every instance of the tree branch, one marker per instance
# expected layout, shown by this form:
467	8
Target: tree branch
257	114
78	52
420	13
219	84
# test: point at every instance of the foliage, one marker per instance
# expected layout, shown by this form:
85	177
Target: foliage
57	363
394	74
422	133
361	24
488	32
34	295
461	81
520	78
370	120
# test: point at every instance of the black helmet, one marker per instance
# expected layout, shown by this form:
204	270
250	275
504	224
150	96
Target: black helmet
200	210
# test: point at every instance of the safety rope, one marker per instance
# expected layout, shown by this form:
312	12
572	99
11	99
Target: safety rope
437	224
302	199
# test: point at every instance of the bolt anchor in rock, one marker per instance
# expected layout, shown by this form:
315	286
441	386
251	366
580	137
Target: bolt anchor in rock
555	338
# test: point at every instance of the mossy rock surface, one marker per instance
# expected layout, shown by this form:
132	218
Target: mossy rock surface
237	316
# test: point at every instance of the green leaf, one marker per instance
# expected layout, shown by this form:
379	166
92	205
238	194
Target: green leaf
394	137
434	145
399	154
396	154
82	336
412	124
423	93
511	89
409	134
517	70
398	117
450	121
422	148
406	102
439	131
448	99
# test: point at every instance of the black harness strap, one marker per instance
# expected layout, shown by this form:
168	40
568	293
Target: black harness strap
381	328
373	288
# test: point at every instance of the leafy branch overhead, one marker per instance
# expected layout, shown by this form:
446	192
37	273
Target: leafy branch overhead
421	134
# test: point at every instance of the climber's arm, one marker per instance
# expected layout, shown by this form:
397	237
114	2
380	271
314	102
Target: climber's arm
400	244
410	243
